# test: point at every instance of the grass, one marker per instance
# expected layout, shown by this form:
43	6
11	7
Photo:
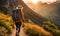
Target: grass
35	30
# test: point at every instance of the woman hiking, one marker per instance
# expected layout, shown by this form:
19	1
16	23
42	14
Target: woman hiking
18	17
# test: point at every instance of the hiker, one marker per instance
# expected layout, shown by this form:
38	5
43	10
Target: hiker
18	17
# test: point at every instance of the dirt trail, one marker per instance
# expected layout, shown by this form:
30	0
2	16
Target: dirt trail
22	33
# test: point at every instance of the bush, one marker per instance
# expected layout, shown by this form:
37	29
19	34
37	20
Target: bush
51	27
3	31
32	32
6	25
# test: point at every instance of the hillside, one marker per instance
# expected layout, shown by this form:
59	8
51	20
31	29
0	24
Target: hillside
47	29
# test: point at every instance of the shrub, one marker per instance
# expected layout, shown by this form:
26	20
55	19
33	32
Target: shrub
6	25
51	27
32	32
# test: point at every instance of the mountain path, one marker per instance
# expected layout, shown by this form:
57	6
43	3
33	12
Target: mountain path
22	33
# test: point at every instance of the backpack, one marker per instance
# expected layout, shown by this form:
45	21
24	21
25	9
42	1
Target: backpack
16	15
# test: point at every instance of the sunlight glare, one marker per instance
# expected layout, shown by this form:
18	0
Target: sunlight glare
34	1
43	1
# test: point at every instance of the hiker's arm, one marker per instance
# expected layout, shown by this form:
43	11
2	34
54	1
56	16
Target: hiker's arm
22	15
23	19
